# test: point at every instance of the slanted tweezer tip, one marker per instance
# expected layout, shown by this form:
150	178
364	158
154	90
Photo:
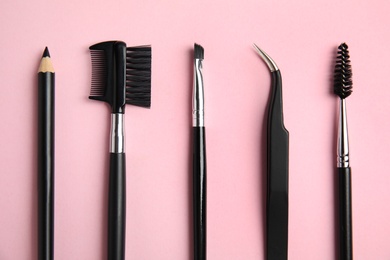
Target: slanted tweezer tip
266	58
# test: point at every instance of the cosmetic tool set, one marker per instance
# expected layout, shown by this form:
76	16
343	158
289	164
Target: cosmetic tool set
121	75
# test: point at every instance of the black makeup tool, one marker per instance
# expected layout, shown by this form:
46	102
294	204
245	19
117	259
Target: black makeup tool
343	89
277	168
199	158
120	76
46	116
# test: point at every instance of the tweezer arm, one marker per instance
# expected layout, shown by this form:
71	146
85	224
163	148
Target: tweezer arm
277	175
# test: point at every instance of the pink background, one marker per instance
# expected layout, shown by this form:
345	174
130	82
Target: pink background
301	36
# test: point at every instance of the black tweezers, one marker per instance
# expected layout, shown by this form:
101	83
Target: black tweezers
277	168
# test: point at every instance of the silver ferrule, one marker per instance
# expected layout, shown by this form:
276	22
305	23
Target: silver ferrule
117	134
198	95
342	142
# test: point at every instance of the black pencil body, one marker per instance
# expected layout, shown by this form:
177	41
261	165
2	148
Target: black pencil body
45	165
345	213
199	193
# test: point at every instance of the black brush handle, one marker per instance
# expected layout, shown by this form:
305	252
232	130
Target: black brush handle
345	213
277	175
199	193
117	207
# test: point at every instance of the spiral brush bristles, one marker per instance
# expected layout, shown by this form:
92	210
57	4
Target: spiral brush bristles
343	74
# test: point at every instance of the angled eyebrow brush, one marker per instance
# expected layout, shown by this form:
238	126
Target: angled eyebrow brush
342	87
120	76
199	158
277	168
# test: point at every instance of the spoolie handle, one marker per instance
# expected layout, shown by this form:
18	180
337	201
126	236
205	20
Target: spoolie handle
199	193
117	207
345	213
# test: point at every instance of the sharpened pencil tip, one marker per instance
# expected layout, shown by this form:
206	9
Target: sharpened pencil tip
46	65
46	53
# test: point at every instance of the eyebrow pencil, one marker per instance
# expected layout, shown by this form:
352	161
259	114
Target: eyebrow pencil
46	113
120	75
277	168
343	89
199	158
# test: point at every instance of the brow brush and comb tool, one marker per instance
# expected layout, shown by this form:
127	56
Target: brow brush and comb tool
199	159
120	76
277	168
343	88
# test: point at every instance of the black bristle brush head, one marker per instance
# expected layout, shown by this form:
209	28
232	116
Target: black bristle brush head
342	86
138	76
121	75
198	52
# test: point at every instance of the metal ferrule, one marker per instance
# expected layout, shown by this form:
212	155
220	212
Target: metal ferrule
198	95
342	142
117	134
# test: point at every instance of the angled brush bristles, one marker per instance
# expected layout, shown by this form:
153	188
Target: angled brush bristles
198	52
138	76
343	74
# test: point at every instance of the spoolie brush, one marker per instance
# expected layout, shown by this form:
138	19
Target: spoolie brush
343	89
343	73
120	76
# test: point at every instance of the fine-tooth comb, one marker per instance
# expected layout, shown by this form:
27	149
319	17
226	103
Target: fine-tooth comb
120	76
